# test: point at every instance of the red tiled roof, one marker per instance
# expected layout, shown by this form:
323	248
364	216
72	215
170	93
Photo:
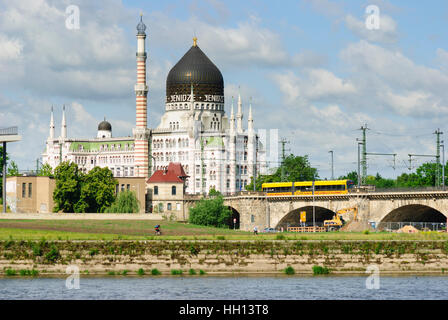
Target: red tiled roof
174	173
177	168
164	176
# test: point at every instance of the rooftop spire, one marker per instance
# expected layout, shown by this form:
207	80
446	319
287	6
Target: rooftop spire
239	114
51	124
250	120
141	27
195	41
64	124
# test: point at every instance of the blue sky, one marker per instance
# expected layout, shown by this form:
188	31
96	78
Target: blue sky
312	68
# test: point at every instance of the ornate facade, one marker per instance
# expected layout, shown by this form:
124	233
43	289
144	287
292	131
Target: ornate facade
215	151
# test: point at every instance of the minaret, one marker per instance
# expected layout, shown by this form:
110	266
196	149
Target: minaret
239	116
64	125
251	144
250	120
51	137
232	121
141	131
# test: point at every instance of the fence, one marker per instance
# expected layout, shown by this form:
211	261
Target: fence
8	131
422	226
306	229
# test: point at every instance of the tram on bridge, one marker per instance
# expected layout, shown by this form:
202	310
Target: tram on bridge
306	187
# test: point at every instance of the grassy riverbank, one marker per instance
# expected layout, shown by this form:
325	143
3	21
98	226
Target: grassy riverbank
144	230
121	257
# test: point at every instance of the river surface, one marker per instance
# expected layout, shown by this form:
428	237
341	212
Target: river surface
227	288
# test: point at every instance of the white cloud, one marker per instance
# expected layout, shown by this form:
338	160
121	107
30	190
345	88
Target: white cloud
316	84
387	33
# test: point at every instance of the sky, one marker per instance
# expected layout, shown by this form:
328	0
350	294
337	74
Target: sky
314	69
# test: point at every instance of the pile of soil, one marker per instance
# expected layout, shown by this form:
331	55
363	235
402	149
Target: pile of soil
408	229
356	226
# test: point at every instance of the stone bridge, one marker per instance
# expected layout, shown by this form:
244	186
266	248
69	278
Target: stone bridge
255	209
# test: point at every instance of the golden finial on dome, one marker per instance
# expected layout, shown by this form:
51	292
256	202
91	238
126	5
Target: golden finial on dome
195	42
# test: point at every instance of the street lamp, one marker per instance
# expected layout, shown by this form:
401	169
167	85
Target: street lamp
359	165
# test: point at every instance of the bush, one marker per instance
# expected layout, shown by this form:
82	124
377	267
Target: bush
53	254
175	272
201	272
211	212
126	202
141	272
366	232
10	272
155	272
221	238
93	252
320	270
289	270
192	272
280	237
194	249
111	273
124	272
37	250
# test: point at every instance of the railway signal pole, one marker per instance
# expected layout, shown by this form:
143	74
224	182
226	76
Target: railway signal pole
283	141
438	133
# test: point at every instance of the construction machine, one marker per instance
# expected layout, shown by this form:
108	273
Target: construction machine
340	218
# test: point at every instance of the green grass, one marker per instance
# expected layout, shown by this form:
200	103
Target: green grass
144	229
175	272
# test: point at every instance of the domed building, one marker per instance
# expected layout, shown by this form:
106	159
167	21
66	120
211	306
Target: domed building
215	152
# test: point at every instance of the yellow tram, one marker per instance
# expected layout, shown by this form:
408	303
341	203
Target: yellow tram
306	187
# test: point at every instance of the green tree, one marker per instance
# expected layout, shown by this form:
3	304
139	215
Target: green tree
213	193
424	176
68	187
13	169
350	176
45	171
297	168
211	212
260	180
126	202
97	191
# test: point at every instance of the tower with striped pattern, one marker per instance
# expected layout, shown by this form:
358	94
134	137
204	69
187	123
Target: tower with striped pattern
141	132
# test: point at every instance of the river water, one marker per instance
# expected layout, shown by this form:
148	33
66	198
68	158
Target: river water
226	288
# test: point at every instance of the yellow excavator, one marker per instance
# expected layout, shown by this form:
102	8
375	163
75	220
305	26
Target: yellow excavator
338	219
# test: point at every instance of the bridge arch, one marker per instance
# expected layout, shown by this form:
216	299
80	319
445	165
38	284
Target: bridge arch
422	215
292	219
234	215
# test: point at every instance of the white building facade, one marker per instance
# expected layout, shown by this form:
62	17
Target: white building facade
216	151
103	151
